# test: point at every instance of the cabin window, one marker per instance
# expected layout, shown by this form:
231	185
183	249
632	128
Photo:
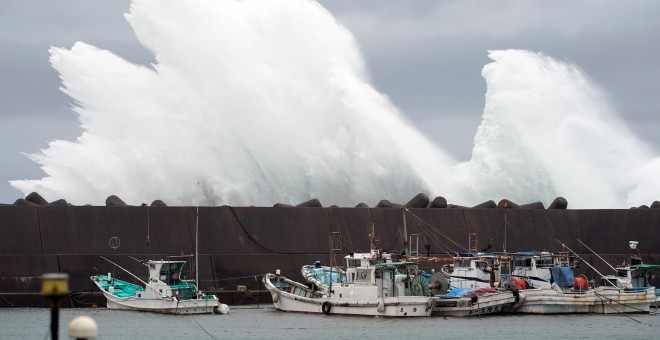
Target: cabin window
353	262
523	263
605	282
544	262
622	273
363	276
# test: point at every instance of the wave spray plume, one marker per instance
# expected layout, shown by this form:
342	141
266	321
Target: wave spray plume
258	102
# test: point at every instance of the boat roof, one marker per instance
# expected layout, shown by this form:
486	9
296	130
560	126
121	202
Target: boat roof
166	261
532	253
476	255
395	264
645	266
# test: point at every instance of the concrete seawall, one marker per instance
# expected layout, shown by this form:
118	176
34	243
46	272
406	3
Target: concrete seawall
239	244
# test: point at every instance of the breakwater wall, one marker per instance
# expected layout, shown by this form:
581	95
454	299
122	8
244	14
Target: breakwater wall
239	244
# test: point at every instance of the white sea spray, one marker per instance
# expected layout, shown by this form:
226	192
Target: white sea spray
257	102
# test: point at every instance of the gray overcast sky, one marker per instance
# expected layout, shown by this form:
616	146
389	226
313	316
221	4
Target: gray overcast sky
426	56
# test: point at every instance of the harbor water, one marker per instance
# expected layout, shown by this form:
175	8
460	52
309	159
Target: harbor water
265	322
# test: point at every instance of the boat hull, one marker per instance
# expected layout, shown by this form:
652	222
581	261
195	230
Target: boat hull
305	301
615	301
164	305
471	306
601	301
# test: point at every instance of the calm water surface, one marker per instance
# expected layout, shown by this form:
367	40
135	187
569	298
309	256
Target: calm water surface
252	322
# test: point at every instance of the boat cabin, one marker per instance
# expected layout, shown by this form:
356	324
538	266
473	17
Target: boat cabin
536	266
475	270
364	271
165	278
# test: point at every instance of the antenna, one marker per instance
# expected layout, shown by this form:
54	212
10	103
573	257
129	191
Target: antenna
472	243
405	228
335	248
505	224
148	223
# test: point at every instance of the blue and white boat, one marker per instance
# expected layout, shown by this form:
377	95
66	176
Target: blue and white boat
164	291
546	284
635	274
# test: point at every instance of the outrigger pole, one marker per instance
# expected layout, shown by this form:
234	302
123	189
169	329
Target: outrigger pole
585	262
597	255
133	275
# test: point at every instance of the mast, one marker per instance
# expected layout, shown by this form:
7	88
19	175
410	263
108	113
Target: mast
505	224
405	229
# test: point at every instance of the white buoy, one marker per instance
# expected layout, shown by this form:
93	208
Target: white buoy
83	327
223	309
381	306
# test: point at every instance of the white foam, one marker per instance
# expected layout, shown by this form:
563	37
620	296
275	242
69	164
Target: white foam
258	102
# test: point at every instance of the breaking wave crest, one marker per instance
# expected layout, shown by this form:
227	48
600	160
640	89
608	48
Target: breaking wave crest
257	102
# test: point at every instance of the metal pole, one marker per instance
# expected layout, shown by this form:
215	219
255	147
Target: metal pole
505	223
614	269
585	262
54	317
405	232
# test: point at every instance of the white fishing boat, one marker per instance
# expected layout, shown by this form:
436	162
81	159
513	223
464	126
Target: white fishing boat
546	285
163	292
476	270
455	302
472	287
472	302
369	286
635	274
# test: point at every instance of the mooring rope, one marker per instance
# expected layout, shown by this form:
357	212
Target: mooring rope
603	298
202	328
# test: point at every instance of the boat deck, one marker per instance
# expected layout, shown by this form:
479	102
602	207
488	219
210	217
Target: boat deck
122	289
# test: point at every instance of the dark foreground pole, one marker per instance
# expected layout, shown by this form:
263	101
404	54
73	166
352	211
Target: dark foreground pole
54	317
53	287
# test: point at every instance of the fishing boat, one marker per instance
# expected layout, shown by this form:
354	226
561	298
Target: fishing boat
472	302
164	292
446	300
546	284
371	285
466	284
473	287
634	274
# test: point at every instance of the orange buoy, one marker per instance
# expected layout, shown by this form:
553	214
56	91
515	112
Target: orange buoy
580	283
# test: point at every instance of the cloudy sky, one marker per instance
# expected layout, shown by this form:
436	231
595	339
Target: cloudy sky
426	56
